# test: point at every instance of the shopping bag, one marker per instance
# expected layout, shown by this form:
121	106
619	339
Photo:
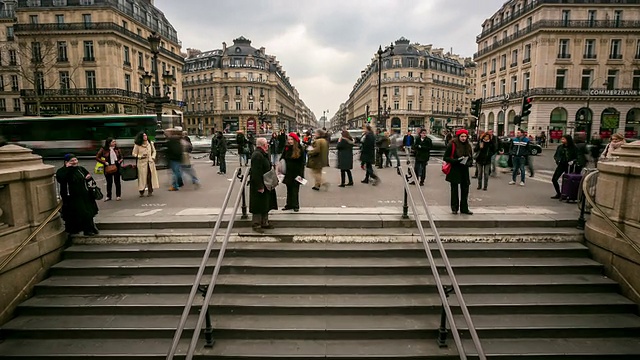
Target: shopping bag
99	168
503	161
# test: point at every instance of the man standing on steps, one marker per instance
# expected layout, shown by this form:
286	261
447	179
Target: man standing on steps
422	148
261	199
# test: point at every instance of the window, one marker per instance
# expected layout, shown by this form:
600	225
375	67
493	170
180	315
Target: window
90	79
410	74
10	34
250	105
1	82
237	75
127	60
493	66
226	105
503	86
36	52
33	19
250	76
617	17
586	79
14	83
484	66
396	74
612	79
39	82
238	105
566	15
140	60
592	18
125	24
493	88
127	82
64	80
616	47
396	90
514	58
62	51
484	91
3	105
529	22
238	91
59	19
396	105
409	105
16	105
59	2
86	19
88	51
527	81
560	78
635	85
514	84
563	49
13	58
503	61
250	90
590	49
86	2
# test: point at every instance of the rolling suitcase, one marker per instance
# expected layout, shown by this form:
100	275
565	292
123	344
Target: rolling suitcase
570	185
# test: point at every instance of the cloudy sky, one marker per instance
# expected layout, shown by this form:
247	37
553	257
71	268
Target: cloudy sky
324	44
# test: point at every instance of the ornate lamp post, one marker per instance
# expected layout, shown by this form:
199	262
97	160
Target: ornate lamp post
380	52
262	115
159	97
324	118
458	114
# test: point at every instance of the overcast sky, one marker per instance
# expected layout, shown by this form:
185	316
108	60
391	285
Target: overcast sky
324	44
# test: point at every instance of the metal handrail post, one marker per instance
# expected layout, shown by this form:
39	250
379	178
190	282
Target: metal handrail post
205	305
454	282
436	275
208	329
442	331
405	206
244	198
583	207
196	282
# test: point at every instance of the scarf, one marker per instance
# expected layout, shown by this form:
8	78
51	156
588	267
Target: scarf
112	156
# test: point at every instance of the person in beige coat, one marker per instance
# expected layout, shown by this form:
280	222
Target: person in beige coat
318	158
145	153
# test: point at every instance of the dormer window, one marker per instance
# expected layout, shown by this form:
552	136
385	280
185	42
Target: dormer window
238	50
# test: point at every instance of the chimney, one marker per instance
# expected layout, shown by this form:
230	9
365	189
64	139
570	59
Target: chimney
224	46
262	49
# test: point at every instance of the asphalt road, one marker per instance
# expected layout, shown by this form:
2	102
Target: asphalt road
537	191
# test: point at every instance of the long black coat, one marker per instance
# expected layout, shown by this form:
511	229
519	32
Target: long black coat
260	203
459	173
422	148
295	167
368	152
345	154
78	205
485	154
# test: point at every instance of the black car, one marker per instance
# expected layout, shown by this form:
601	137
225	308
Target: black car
534	148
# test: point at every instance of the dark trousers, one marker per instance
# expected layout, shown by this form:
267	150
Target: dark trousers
420	168
394	153
258	220
370	173
560	169
460	199
347	173
293	195
111	178
379	157
518	165
483	171
385	152
222	162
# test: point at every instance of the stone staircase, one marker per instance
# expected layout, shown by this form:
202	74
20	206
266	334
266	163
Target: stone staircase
325	300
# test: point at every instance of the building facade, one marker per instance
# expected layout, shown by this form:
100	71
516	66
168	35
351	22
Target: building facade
84	57
420	86
243	88
579	61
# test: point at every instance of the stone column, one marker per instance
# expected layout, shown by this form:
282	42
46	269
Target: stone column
27	197
618	195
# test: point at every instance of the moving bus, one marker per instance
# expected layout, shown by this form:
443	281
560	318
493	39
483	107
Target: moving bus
82	135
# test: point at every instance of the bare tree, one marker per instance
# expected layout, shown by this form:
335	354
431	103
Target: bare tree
38	61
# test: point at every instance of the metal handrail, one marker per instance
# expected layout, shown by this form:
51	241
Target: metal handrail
216	270
17	250
591	201
441	290
203	264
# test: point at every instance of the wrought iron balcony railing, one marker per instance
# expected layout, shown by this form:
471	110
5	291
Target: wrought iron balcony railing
563	92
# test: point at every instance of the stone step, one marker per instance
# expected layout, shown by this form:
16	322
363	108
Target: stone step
323	266
333	250
329	284
325	327
327	304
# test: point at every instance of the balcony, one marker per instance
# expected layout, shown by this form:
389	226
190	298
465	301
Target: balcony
514	64
441	82
7	14
503	68
127	63
89	59
492	72
10	38
565	92
526	60
84	92
615	56
589	56
564	56
63	59
573	24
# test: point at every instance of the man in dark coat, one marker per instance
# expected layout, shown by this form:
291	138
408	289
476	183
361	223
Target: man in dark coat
221	152
282	141
422	148
368	156
174	155
241	142
261	199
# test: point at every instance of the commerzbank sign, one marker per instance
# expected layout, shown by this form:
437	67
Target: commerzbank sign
596	92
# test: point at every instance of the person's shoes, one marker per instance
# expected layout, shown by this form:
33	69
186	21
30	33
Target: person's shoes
118	198
530	175
484	189
286	208
141	193
376	182
521	183
412	183
512	182
468	212
421	183
296	209
196	186
349	184
257	229
219	172
454	212
365	181
556	196
479	187
342	185
107	199
268	226
89	233
150	194
474	177
315	188
173	189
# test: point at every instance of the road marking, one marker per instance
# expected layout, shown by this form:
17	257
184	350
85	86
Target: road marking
150	212
153	205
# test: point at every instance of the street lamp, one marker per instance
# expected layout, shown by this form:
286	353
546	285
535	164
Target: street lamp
588	112
324	119
158	98
380	52
262	115
458	114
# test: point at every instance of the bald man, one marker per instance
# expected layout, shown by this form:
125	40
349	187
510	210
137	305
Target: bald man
261	199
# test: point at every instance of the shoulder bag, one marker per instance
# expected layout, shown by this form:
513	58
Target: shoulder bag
270	179
446	166
94	190
129	172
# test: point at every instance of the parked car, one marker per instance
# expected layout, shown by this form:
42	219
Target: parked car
534	148
201	144
356	134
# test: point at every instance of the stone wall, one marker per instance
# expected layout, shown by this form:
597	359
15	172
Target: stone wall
618	194
27	197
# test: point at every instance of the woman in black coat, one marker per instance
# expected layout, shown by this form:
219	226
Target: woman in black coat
293	156
484	151
345	158
78	205
565	156
261	199
459	154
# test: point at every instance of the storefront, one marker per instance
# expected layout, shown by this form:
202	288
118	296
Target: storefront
558	124
583	123
230	125
632	127
610	121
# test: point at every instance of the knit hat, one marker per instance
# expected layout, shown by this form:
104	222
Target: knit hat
462	131
69	157
294	136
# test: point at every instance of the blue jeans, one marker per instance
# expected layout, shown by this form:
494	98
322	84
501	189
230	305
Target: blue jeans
420	168
176	170
394	153
191	172
518	165
222	162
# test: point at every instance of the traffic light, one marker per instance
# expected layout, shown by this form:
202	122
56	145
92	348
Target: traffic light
517	120
527	101
476	107
367	114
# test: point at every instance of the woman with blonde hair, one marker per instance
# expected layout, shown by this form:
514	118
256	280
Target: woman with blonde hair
145	153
